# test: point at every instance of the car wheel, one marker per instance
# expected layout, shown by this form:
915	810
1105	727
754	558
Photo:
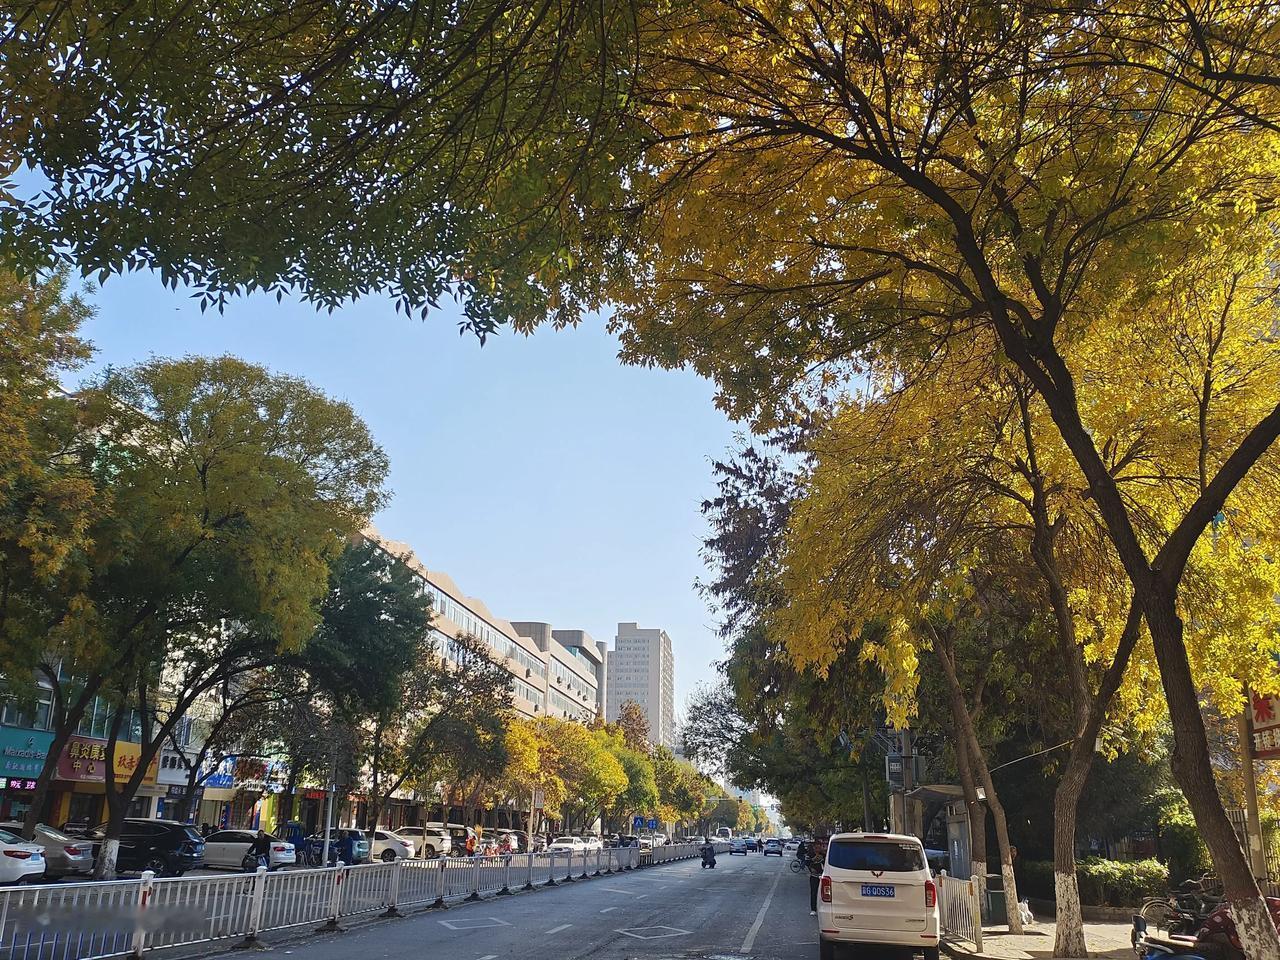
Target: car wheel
826	949
931	953
157	865
249	864
388	856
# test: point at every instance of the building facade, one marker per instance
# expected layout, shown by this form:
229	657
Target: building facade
641	667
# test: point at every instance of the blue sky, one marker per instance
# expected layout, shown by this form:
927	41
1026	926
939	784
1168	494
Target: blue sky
547	478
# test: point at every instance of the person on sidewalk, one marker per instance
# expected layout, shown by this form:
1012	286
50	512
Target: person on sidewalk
817	861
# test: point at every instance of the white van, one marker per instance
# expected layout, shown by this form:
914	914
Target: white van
877	889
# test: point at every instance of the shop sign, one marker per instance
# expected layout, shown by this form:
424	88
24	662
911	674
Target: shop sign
8	784
84	760
23	752
224	774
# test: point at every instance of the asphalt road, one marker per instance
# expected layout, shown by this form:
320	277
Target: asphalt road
749	906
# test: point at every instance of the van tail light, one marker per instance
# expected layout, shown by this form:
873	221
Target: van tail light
826	889
18	854
930	894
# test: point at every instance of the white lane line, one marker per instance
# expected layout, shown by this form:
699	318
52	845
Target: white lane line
750	942
491	956
563	926
607	909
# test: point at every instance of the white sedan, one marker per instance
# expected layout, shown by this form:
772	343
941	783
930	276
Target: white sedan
389	845
230	848
567	845
593	844
20	860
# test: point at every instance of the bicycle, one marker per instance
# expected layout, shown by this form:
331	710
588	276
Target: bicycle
799	866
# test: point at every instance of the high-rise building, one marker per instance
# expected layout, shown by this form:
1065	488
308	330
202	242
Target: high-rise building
641	667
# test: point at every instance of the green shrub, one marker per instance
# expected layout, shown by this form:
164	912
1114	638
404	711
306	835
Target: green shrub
1113	883
1180	841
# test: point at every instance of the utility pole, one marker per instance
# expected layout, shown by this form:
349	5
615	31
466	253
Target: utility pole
328	805
908	779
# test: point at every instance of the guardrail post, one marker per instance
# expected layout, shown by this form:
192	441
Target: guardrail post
551	871
439	901
506	877
146	887
335	898
599	857
528	883
257	894
584	865
475	879
568	873
393	888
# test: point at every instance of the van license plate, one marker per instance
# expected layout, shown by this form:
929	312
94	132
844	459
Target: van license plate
876	890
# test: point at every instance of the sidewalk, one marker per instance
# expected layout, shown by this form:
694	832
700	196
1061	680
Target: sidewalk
1105	940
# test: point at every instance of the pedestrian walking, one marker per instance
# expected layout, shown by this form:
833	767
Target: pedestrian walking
471	844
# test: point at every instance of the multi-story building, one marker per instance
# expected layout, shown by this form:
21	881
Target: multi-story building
454	614
641	667
574	667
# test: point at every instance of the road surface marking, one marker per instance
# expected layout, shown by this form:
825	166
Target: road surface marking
607	909
615	890
476	923
639	934
491	956
563	926
750	942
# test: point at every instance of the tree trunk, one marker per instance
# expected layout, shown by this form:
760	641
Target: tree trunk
984	775
977	817
1194	773
65	728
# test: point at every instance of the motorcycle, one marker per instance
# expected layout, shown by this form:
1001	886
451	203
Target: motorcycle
708	858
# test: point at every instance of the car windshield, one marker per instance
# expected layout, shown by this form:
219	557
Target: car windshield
876	856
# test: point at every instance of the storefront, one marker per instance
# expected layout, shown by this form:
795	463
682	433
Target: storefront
23	753
81	772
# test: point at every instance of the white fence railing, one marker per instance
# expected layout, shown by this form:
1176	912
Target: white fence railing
959	910
85	921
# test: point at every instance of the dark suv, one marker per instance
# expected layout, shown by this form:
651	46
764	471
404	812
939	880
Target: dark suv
165	847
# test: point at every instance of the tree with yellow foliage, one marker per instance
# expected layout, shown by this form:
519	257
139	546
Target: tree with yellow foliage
832	185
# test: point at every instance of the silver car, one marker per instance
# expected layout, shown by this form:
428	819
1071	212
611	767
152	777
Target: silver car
64	856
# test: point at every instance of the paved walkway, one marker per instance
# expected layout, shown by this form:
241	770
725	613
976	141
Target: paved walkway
1104	939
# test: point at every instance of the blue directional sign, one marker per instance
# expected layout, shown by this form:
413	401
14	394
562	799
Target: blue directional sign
637	823
653	824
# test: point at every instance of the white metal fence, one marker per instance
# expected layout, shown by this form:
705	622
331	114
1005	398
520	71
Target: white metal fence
959	910
84	921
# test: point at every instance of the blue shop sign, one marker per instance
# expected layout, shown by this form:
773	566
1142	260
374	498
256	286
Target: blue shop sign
224	774
23	752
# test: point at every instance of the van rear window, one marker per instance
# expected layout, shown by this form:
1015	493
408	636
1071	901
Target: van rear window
874	855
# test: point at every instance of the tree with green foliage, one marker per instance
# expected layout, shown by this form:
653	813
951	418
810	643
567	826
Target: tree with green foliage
231	488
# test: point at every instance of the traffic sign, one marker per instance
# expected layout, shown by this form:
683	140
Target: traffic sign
637	823
653	824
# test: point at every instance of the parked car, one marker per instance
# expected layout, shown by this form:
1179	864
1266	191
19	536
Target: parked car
773	846
628	840
429	841
388	845
230	848
567	845
876	889
359	844
165	847
20	860
738	845
64	855
791	845
591	842
645	843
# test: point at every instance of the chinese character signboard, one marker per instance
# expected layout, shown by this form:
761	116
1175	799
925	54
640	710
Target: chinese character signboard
1264	717
23	752
85	759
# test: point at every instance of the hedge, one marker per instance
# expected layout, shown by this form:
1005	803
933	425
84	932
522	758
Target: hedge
1112	883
